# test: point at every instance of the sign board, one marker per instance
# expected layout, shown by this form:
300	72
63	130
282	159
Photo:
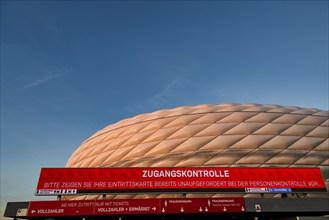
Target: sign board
61	208
134	206
202	205
65	181
126	206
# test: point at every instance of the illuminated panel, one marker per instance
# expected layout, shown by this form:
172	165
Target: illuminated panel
134	206
65	181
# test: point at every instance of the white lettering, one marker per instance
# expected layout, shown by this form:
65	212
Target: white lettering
47	211
185	173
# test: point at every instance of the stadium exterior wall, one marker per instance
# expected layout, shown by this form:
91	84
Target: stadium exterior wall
223	135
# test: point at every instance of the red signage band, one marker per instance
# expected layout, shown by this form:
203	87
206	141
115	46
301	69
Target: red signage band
61	181
135	206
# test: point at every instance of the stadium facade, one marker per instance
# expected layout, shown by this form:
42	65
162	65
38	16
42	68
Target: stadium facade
223	135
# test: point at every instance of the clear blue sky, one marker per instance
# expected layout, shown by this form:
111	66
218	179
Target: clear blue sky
69	68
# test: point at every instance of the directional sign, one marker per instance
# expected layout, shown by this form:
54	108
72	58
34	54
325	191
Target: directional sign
180	205
127	206
202	205
61	208
134	206
226	205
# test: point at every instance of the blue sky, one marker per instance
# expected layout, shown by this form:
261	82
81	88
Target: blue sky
69	68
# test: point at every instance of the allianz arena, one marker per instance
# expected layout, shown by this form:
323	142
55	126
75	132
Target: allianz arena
223	135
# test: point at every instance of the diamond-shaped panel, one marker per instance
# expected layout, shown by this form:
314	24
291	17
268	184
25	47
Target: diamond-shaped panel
224	135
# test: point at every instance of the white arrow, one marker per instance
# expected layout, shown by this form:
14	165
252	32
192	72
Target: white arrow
182	209
206	209
33	211
224	209
242	208
200	209
163	210
154	208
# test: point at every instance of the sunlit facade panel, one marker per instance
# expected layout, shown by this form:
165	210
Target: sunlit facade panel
223	135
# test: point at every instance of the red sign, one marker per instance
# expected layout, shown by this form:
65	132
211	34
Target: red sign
126	206
181	205
227	205
202	205
59	181
61	208
134	206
